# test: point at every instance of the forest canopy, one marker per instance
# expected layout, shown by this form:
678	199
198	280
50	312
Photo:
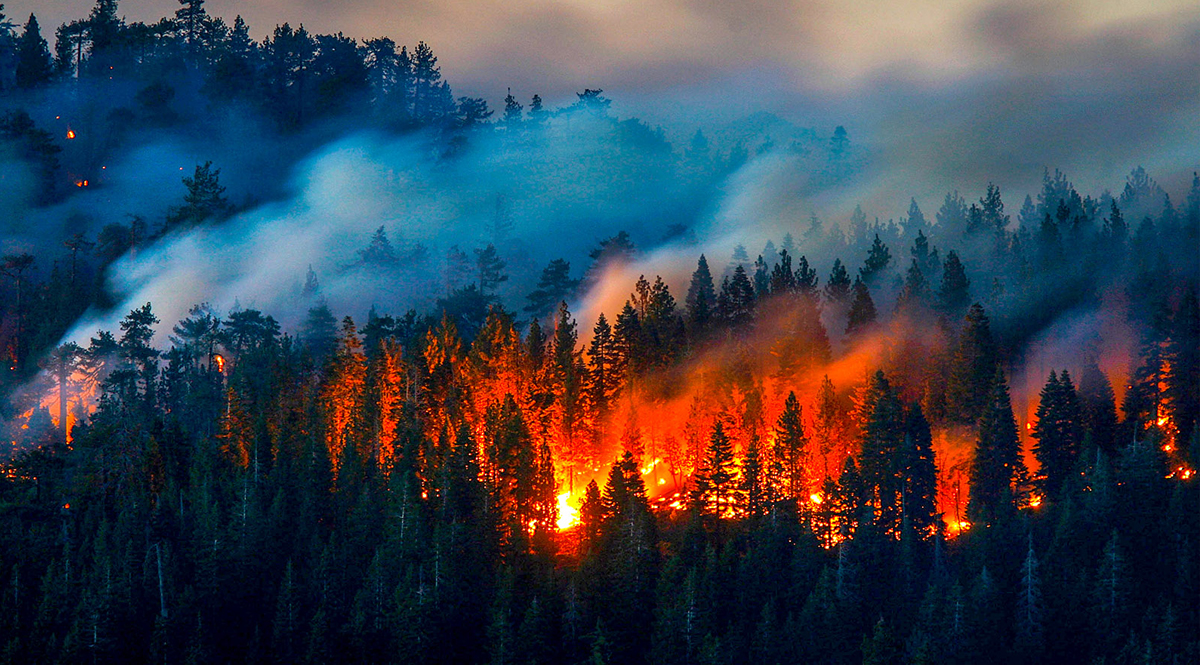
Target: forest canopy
350	368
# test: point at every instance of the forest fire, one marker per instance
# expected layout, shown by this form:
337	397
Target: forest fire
340	363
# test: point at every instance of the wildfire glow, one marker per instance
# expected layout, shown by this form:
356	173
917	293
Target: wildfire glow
1182	472
220	362
816	498
568	515
70	134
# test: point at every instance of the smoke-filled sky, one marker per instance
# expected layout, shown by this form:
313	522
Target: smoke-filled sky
986	88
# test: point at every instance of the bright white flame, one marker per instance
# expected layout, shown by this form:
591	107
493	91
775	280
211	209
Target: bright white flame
568	515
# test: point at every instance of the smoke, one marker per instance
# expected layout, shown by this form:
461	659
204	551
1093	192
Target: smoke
935	98
587	176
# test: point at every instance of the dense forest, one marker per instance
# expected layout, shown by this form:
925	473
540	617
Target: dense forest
968	437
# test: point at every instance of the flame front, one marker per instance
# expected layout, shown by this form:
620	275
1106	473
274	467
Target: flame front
568	515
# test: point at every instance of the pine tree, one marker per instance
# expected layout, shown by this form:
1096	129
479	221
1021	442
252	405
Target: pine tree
762	278
205	199
319	332
603	379
992	209
952	216
286	632
1030	620
512	112
806	279
915	224
971	368
554	286
926	258
837	287
997	464
715	481
1109	596
882	647
839	144
877	261
490	269
35	67
752	491
829	425
735	304
1183	371
191	19
862	310
791	448
1099	408
1115	229
920	499
379	251
1059	433
916	289
701	297
883	454
955	292
782	279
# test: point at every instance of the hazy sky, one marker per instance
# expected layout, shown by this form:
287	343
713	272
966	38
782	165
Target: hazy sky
1094	86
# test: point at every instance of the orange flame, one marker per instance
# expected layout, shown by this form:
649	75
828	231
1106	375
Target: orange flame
568	515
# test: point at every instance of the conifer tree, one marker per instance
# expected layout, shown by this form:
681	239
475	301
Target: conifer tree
997	464
554	286
1098	407
862	309
715	481
701	297
877	261
1183	371
782	279
915	224
971	368
752	492
955	291
736	302
35	67
915	292
838	287
952	216
920	499
883	457
603	380
791	448
1030	621
205	199
490	269
1109	595
1059	433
